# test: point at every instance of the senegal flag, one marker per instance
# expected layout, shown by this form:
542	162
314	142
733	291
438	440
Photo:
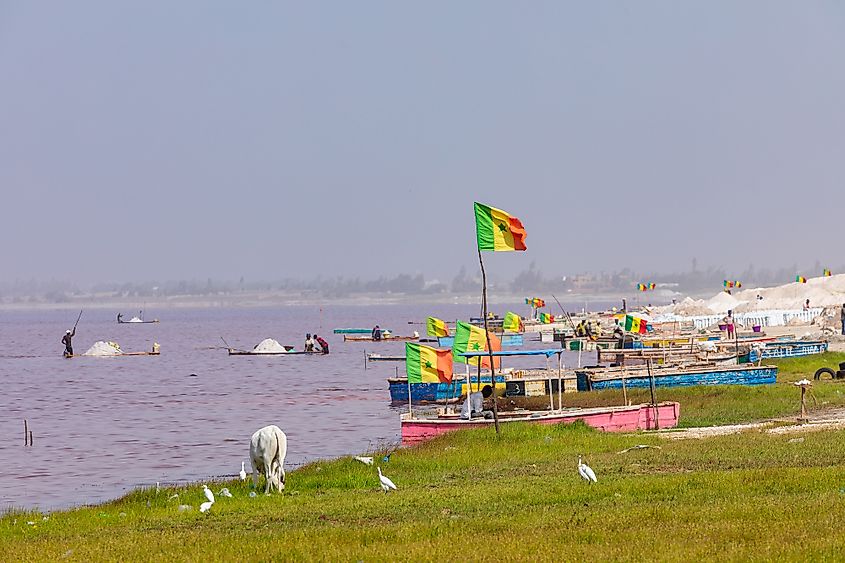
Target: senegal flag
800	279
496	230
512	323
635	324
470	338
436	327
546	318
427	365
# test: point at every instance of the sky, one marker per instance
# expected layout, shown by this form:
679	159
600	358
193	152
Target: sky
270	140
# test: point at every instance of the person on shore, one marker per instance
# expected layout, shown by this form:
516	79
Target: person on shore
807	305
729	321
324	346
67	341
473	406
376	334
842	318
309	343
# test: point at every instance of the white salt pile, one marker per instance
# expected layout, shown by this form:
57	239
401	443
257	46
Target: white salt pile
134	320
821	291
101	348
269	345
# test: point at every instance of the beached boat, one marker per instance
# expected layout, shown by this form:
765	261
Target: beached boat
385	358
416	429
791	349
384	338
438	393
674	376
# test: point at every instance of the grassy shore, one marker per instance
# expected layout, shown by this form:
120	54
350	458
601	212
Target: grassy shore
475	496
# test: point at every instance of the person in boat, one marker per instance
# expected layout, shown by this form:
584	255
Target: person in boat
619	333
120	317
67	341
473	406
376	333
309	343
324	346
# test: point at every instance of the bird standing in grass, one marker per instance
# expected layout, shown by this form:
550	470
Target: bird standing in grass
206	506
364	459
586	472
386	484
243	472
225	492
208	494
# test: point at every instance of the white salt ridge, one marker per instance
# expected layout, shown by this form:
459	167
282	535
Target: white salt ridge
821	291
102	348
134	320
269	345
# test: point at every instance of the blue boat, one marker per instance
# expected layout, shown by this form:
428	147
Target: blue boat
791	349
436	392
611	378
508	340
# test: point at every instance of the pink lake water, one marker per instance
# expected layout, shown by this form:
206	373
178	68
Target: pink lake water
104	426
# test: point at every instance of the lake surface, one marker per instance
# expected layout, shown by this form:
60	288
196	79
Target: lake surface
104	426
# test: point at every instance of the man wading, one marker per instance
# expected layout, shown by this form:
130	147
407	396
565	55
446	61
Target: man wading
66	340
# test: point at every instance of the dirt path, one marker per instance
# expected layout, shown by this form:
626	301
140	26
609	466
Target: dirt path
828	419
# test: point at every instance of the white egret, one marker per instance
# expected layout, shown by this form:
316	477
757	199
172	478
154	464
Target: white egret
386	484
364	460
243	472
225	492
173	496
586	473
208	494
206	506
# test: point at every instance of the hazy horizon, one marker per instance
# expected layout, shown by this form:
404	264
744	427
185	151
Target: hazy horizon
202	140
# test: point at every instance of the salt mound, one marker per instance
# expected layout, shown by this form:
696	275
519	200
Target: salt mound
102	348
722	302
134	320
691	307
269	345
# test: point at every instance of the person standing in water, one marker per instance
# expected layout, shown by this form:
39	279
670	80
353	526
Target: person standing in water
67	341
309	343
324	346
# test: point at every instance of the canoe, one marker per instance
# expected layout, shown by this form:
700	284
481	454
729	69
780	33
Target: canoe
137	322
384	358
786	350
675	376
369	338
353	331
434	393
291	352
416	429
115	355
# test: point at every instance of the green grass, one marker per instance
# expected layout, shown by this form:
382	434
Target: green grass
474	496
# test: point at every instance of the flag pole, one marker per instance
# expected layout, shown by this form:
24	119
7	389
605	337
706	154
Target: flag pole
489	346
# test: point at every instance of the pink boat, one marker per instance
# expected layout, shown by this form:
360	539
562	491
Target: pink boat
609	419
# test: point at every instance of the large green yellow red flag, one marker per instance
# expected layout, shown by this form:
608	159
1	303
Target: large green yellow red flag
497	230
512	323
427	365
436	327
470	338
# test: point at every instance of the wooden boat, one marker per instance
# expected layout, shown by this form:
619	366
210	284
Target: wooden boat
675	376
791	349
384	338
438	393
290	352
384	358
353	331
416	429
136	321
154	352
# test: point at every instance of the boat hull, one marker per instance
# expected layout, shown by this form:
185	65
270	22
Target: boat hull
786	350
715	375
608	419
426	393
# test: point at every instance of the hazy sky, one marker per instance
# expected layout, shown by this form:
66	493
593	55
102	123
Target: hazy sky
166	140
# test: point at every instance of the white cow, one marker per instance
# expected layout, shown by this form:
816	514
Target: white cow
267	450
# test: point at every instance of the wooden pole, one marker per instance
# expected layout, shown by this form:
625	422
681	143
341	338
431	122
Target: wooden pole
30	437
653	399
25	432
489	348
624	391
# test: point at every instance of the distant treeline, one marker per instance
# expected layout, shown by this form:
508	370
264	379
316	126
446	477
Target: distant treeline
529	281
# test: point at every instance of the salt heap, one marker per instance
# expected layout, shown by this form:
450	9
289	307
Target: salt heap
134	320
269	345
101	348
